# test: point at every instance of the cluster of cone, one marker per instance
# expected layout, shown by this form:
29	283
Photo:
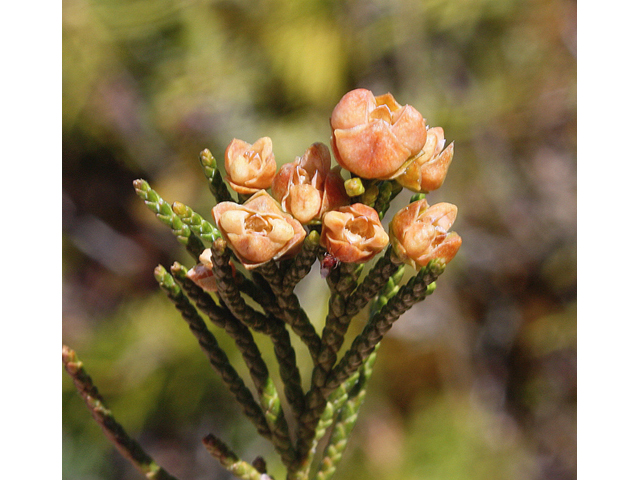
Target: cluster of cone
373	138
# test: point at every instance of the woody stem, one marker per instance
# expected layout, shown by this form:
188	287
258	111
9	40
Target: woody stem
127	446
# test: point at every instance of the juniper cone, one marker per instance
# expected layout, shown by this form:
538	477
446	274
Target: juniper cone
127	446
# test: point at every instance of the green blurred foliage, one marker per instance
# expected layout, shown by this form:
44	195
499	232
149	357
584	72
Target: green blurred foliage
479	381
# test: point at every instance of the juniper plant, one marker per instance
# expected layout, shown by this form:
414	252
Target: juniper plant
261	248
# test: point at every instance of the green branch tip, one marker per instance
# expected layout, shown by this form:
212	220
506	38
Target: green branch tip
220	245
144	191
207	159
178	270
166	215
217	185
354	187
140	183
166	280
313	238
161	274
196	222
370	195
437	266
69	357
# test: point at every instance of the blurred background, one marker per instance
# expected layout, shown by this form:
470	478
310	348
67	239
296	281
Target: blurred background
479	381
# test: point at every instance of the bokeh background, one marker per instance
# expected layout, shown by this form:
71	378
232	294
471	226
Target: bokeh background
479	381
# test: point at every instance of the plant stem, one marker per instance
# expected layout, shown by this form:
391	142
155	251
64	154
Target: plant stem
221	317
316	398
216	356
229	291
195	222
230	460
415	290
241	334
345	422
271	326
127	446
372	284
388	190
348	415
302	262
335	402
216	183
165	214
290	310
289	372
342	281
